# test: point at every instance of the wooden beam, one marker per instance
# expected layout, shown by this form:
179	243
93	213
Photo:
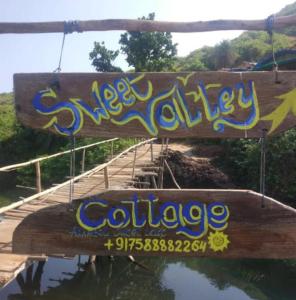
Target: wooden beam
143	25
212	223
201	104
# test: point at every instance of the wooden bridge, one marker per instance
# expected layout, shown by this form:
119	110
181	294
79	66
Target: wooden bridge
141	165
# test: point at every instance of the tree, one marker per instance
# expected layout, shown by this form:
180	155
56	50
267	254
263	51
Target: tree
224	55
253	46
102	58
149	51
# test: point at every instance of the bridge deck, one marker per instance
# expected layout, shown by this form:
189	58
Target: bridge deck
120	177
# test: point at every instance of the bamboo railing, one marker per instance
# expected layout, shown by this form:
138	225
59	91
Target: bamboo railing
89	173
37	161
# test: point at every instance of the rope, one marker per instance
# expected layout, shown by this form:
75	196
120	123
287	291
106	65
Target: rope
69	27
58	69
262	167
269	29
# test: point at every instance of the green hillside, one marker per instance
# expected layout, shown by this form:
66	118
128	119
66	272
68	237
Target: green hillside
289	9
7	116
250	46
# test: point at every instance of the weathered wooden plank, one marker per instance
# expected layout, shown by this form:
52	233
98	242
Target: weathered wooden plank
10	262
213	223
201	104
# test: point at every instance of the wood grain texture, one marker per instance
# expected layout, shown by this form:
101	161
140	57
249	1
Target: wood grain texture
201	104
145	25
253	231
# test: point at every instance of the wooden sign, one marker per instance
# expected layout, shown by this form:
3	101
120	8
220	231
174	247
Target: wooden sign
201	104
211	223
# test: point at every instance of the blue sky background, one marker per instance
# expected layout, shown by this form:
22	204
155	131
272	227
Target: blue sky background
40	52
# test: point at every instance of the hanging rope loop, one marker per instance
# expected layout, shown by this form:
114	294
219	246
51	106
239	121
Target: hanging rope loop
69	27
58	69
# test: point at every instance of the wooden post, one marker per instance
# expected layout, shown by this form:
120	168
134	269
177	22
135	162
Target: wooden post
151	148
112	149
38	177
134	162
106	178
83	161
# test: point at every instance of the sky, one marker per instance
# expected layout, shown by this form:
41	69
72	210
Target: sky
29	53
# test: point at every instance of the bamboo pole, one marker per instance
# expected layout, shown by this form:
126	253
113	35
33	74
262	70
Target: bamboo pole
134	163
151	148
106	177
38	177
154	182
83	161
143	25
112	149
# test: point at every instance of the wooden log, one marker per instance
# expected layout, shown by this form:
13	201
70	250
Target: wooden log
201	104
212	223
144	25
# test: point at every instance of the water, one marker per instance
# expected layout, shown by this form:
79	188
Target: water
155	278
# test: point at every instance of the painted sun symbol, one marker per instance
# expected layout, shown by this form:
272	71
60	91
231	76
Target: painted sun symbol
218	241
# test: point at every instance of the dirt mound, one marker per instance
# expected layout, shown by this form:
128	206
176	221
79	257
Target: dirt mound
194	172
